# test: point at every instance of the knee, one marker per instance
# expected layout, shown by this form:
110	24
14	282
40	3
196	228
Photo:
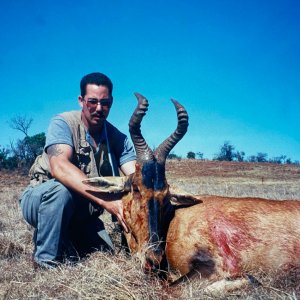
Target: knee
60	195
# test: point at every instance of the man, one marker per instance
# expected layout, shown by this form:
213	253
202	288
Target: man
79	144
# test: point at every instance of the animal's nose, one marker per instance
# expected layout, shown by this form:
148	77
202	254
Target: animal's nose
153	259
156	264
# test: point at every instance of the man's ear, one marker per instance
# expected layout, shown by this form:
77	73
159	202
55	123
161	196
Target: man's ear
109	184
80	101
181	198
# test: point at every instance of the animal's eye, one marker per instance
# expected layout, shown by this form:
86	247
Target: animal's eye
135	188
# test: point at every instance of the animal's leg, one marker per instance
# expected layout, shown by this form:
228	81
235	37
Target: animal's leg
187	277
203	266
225	286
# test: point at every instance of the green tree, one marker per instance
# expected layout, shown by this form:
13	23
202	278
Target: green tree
261	157
226	152
288	161
279	159
3	157
7	161
35	145
172	155
199	155
251	158
11	162
240	155
27	149
191	155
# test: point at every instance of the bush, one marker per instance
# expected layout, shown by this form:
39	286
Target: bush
191	155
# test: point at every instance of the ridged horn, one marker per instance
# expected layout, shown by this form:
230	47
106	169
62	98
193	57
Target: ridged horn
143	152
164	148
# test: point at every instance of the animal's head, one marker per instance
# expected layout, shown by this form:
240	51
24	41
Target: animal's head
146	192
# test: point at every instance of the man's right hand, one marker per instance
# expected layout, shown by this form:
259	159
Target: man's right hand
115	207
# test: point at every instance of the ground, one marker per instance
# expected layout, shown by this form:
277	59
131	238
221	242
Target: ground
104	276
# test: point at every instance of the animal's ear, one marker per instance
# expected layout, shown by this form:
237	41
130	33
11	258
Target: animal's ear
109	184
181	198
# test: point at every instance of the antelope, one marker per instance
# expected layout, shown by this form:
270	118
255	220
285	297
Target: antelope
211	236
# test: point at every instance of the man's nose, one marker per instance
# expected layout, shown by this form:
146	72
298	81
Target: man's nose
99	106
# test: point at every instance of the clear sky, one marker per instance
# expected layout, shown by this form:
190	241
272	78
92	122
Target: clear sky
234	65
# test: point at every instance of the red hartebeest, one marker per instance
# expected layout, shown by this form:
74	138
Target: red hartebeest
216	237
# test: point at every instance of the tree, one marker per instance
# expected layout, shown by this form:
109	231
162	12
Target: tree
172	155
240	155
35	144
11	163
29	148
191	155
288	161
200	155
3	157
26	150
261	157
251	158
6	160
279	159
226	152
21	123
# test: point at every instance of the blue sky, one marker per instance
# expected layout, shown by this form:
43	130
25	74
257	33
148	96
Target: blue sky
234	65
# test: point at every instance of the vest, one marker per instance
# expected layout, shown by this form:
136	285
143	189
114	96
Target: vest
83	157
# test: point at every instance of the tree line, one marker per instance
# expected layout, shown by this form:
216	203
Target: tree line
227	153
22	153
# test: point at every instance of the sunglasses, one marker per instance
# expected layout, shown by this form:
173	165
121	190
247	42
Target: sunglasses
92	102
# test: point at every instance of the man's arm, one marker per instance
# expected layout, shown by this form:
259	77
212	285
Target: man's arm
64	171
128	168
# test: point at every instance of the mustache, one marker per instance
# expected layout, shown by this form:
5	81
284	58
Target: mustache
98	115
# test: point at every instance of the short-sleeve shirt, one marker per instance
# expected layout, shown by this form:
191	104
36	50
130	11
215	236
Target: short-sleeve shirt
59	132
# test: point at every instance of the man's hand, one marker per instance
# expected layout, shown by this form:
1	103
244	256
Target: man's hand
116	208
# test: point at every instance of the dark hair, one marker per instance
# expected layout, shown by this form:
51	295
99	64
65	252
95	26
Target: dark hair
95	78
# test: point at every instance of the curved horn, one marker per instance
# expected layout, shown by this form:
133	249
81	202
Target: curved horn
164	148
144	153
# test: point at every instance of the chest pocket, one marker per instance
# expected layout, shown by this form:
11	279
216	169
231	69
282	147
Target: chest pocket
84	158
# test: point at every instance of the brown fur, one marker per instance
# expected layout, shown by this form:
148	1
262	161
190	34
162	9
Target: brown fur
227	237
215	236
136	214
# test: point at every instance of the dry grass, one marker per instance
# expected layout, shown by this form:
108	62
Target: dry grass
104	276
270	181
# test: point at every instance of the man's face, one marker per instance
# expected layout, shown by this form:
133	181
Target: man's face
95	105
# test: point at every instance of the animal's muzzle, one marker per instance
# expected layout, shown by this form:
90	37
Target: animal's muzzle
154	258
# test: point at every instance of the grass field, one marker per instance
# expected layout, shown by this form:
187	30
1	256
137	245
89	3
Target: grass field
105	276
